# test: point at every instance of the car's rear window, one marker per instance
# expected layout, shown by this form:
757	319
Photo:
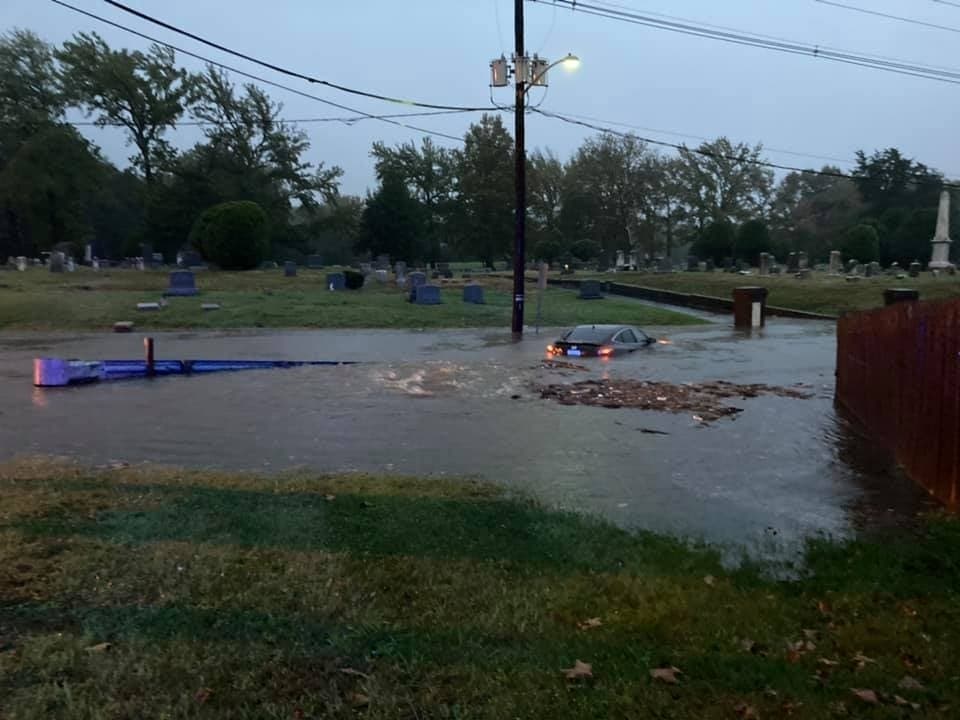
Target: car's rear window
587	335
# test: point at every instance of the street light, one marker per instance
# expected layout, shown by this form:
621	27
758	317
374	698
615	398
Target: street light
527	73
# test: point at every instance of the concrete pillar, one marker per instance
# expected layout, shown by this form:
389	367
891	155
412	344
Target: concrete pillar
895	295
749	307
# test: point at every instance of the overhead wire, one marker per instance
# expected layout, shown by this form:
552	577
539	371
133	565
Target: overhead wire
282	70
947	2
788	47
258	78
348	120
888	16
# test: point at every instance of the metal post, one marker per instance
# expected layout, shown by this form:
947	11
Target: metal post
148	352
520	179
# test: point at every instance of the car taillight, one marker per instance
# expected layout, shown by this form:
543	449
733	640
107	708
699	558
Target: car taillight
605	351
550	348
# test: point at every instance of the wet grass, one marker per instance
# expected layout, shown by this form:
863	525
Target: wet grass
149	593
819	294
39	300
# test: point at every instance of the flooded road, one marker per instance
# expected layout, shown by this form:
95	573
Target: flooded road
462	403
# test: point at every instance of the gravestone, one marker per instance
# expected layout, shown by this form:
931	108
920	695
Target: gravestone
591	290
366	268
710	267
270	265
473	294
289	269
764	263
874	269
182	284
148	306
940	259
915	268
157	260
208	307
314	262
802	262
868	270
416	279
400	268
836	262
447	273
189	259
894	269
336	281
693	263
56	262
803	274
852	266
146	252
21	263
382	262
664	265
141	265
775	269
427	295
793	262
701	267
381	276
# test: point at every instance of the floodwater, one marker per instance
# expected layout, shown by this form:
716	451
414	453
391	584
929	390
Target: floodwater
462	403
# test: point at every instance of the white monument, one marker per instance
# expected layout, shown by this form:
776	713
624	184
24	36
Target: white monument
941	240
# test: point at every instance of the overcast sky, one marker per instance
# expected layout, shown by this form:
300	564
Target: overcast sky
438	51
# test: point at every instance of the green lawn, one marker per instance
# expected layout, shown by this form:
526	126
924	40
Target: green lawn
148	593
39	300
820	294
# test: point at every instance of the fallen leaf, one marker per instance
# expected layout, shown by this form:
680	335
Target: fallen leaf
903	702
909	683
100	647
358	700
590	623
202	695
862	660
666	675
710	580
828	663
747	712
351	671
867	696
579	671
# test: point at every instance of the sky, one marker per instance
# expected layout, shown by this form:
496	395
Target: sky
438	51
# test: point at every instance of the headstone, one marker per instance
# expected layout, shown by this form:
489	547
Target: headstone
366	268
693	263
400	269
88	253
381	276
336	281
803	274
207	307
95	264
852	266
71	265
123	326
940	258
915	268
710	267
802	262
314	262
382	262
189	259
56	262
473	294
836	262
146	252
591	290
868	270
427	295
793	262
764	263
22	263
289	269
664	265
702	266
182	284
141	265
157	259
148	306
874	269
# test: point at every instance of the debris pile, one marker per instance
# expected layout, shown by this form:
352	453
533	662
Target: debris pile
704	400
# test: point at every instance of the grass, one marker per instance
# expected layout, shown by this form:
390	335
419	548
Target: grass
155	593
38	300
819	294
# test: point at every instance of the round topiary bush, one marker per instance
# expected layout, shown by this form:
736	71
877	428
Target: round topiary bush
232	235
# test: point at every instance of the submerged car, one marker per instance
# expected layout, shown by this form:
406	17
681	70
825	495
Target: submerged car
600	340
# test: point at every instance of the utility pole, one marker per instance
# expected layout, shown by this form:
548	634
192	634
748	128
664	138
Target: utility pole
520	177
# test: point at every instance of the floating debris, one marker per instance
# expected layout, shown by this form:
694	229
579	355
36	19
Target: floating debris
703	400
562	365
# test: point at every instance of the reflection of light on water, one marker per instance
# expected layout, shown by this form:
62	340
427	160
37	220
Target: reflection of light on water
437	378
39	398
664	341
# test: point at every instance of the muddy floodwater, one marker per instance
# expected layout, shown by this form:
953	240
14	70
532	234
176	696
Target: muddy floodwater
463	403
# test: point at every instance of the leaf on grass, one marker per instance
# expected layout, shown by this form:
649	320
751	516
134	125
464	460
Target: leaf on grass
351	671
579	671
747	712
710	580
903	702
202	695
590	623
909	683
826	662
666	675
100	647
867	696
358	700
862	661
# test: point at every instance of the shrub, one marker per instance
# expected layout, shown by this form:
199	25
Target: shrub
586	250
232	235
753	238
353	279
861	243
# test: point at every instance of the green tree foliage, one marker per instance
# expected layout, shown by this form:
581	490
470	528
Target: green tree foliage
145	93
485	199
30	88
861	243
586	250
233	235
393	222
548	250
334	229
716	241
753	238
886	179
545	189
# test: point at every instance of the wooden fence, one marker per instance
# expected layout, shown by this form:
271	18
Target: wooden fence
898	374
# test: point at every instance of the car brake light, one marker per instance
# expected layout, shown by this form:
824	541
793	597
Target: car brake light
605	351
550	348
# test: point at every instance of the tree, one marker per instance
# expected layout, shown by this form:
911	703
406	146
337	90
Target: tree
753	238
545	187
334	229
31	95
485	198
887	179
861	243
586	250
666	197
392	222
910	239
716	241
548	250
234	235
723	182
145	93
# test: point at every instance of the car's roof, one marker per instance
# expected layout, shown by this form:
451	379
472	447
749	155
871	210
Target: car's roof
608	328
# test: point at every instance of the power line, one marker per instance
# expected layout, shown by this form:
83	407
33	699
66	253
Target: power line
282	70
257	78
349	120
788	47
706	153
947	2
888	16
